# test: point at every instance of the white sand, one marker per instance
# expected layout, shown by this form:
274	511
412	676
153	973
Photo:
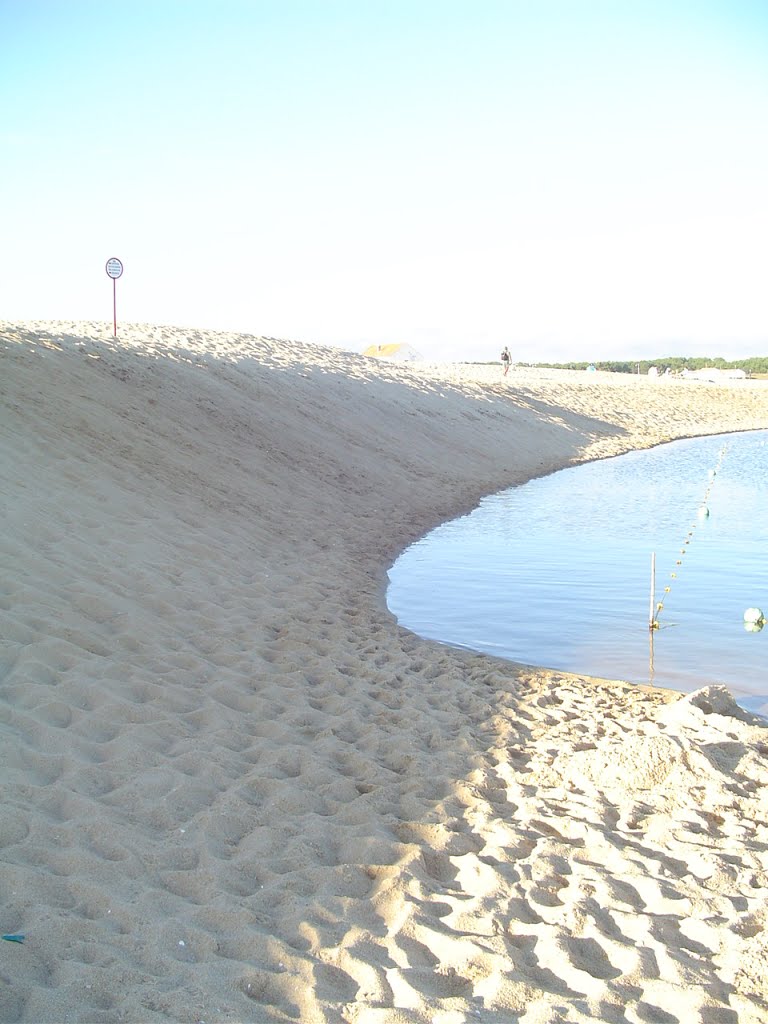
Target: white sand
235	790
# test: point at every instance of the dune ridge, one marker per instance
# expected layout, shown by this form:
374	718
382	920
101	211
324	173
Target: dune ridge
235	790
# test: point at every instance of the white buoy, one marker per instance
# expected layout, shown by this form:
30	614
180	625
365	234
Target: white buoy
754	627
754	615
703	512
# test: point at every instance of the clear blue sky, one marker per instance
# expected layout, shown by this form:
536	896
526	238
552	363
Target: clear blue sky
575	178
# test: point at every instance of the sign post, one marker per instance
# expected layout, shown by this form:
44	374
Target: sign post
114	270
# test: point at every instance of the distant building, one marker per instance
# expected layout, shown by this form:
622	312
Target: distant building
714	374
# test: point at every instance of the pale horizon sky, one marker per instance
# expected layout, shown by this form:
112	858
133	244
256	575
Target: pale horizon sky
577	179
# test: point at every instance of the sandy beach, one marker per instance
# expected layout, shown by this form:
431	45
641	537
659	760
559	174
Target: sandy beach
234	790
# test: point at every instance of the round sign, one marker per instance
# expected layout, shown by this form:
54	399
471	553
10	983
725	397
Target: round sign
114	268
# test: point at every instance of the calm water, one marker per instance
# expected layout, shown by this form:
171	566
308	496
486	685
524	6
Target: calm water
557	572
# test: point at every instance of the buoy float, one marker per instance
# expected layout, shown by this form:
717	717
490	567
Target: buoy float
754	615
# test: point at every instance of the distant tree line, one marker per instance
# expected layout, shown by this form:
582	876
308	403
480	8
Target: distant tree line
753	365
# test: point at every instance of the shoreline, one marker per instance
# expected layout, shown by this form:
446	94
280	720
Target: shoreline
422	566
239	791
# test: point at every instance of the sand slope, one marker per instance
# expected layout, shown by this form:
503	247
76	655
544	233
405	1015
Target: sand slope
235	790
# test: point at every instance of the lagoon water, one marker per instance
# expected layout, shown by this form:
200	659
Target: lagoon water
557	572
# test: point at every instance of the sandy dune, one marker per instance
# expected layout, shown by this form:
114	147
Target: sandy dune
235	790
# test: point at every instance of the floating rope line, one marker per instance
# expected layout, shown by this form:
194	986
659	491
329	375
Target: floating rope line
658	606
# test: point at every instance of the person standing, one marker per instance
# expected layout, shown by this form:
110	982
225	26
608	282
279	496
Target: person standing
506	359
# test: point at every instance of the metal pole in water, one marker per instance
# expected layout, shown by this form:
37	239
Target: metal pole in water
652	610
